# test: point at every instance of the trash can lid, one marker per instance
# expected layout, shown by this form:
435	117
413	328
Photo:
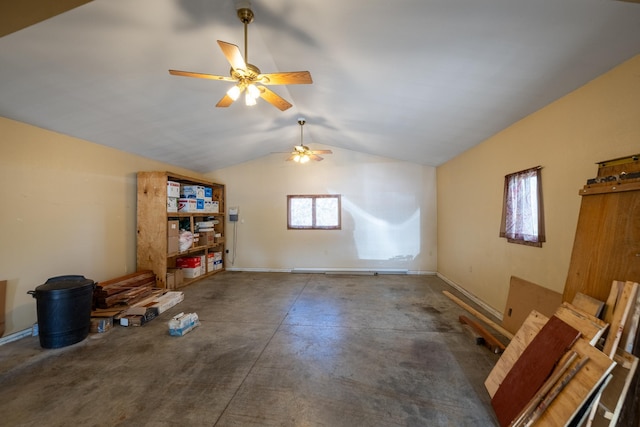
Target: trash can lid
65	282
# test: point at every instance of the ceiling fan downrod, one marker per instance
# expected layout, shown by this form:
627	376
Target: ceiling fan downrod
246	17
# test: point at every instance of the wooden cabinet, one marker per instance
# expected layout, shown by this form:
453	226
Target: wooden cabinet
607	241
153	251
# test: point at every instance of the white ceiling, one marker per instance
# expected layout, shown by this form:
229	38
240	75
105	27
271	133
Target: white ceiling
415	80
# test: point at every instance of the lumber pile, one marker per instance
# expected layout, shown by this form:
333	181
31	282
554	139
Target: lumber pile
570	368
125	290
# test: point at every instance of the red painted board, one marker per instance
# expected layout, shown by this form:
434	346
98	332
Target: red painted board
532	368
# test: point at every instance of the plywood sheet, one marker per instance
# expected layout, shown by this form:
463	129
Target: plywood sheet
615	393
525	296
620	313
588	304
586	381
532	368
527	332
591	327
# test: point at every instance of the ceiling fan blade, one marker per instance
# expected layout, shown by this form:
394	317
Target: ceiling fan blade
286	78
233	55
201	75
274	99
321	152
291	157
315	157
225	101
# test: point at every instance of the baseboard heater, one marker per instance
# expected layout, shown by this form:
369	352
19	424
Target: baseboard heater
350	271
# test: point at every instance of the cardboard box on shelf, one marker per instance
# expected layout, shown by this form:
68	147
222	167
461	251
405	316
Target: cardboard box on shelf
173	244
172	204
170	281
191	272
206	238
188	262
208	194
203	264
178	277
173	228
187	205
173	189
192	191
217	265
200	205
212	206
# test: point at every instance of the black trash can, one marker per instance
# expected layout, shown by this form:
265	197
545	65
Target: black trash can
64	310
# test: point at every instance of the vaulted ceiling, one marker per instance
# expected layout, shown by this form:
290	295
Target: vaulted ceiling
415	80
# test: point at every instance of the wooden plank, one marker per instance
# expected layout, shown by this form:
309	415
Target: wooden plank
532	368
555	392
588	304
525	296
479	315
620	313
591	327
528	411
566	407
491	342
527	332
631	326
616	391
610	305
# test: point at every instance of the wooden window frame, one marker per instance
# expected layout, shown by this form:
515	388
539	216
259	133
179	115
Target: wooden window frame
313	225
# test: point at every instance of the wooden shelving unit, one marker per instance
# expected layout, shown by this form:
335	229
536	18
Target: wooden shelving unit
153	220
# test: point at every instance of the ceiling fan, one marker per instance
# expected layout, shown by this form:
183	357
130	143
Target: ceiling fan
301	153
247	76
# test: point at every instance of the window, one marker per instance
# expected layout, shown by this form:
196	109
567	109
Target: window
320	212
522	213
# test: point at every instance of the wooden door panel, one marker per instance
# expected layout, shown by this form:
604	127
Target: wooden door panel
607	244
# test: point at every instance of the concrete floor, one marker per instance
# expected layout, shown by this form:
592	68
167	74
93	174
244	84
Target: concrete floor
273	349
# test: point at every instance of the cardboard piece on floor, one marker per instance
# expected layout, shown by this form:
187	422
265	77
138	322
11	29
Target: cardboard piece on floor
591	327
525	296
527	332
532	368
581	389
588	304
3	297
621	311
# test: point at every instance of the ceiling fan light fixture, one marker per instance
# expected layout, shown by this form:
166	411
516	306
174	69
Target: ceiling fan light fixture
249	100
253	91
234	92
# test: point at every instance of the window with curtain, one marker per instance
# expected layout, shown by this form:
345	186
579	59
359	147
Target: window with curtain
313	212
522	210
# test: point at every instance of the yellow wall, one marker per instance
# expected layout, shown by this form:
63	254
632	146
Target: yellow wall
597	122
388	214
67	207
